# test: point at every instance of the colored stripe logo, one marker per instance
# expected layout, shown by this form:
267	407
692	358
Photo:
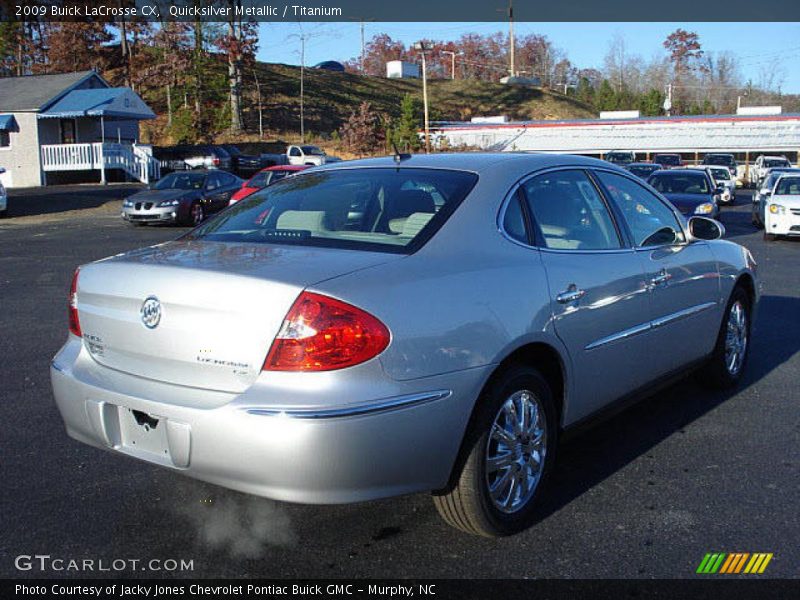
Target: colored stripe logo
734	563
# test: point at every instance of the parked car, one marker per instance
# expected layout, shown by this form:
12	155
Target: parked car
330	65
724	178
642	170
243	164
442	338
620	157
721	160
3	197
782	216
668	161
182	158
300	155
764	191
765	163
183	197
692	191
264	178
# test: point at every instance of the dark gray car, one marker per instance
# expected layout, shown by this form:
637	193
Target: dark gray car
184	197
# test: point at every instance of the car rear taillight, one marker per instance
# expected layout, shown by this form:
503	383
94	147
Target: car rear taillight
72	306
215	160
323	334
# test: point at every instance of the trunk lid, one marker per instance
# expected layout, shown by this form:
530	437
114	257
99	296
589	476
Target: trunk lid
220	306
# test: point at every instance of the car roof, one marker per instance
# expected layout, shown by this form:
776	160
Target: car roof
286	168
514	163
642	164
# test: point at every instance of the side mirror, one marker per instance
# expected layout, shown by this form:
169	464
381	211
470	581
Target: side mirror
704	228
2	170
719	189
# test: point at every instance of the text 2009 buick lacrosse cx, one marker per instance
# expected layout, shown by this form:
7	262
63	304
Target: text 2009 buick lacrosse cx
396	325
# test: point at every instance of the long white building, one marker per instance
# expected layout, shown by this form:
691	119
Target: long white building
747	136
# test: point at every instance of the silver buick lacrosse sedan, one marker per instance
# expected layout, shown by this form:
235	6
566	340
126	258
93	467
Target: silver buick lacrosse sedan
403	324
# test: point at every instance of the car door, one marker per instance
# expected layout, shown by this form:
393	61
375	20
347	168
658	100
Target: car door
214	193
596	285
682	275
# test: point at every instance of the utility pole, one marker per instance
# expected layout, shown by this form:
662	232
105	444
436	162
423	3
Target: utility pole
363	47
668	101
511	43
260	111
452	63
302	38
302	86
421	47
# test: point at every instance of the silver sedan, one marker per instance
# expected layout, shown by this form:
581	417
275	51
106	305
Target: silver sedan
397	325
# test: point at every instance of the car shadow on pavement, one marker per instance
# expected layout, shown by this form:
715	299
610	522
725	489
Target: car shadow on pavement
589	458
737	223
27	202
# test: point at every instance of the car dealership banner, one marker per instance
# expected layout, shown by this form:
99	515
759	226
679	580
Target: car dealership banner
405	11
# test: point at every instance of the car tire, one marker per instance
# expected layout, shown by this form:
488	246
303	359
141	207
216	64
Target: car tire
468	503
196	214
724	370
3	213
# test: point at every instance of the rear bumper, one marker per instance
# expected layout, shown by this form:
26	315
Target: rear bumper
403	442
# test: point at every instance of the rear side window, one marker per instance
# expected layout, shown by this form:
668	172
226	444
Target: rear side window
383	209
514	221
569	212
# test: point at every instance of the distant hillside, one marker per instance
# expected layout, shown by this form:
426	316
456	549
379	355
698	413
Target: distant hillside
330	98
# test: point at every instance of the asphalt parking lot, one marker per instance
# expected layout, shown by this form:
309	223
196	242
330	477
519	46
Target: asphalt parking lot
646	494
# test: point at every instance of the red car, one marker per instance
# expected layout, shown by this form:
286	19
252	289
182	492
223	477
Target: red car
264	178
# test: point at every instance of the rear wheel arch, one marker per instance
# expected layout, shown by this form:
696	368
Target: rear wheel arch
538	355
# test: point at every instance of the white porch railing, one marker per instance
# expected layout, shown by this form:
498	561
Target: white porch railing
136	161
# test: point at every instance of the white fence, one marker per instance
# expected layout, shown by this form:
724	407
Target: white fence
135	160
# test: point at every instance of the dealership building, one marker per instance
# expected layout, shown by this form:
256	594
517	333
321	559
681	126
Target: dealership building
746	136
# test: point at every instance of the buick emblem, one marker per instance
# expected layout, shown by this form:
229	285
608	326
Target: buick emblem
151	312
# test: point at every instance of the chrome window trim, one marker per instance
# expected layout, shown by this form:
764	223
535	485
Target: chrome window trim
380	406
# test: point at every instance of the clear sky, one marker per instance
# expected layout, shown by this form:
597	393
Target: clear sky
759	46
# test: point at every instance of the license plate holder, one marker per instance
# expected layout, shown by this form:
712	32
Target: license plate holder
144	435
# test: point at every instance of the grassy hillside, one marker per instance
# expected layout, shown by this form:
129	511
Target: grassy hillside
331	97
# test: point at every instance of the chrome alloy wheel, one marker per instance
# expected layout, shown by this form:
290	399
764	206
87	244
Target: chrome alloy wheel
515	451
736	338
197	214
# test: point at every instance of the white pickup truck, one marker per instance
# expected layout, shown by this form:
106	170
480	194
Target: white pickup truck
300	155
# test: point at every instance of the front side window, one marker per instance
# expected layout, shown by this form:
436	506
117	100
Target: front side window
652	223
389	210
569	212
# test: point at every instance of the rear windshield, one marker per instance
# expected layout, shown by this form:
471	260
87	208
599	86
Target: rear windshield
776	162
718	159
680	183
643	171
668	159
618	157
388	210
722	174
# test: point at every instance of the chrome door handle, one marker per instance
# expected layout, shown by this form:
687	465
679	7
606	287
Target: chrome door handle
662	277
571	294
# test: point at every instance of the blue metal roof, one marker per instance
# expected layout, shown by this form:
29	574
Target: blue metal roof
7	122
106	102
